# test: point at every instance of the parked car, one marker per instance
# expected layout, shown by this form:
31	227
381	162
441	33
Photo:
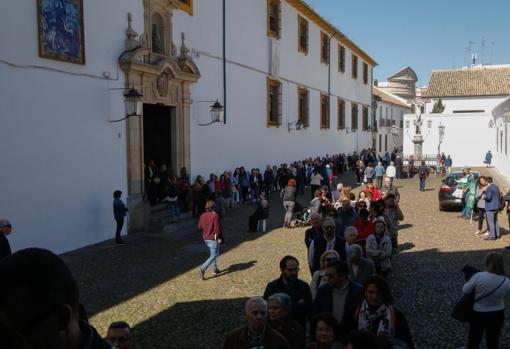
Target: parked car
445	195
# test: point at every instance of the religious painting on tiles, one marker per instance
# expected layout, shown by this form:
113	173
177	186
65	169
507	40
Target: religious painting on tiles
60	24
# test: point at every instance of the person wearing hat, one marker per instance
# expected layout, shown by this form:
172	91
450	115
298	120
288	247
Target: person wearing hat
5	247
209	223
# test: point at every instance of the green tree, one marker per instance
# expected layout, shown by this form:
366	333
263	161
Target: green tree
438	107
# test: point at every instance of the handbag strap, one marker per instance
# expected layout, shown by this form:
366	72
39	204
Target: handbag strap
491	292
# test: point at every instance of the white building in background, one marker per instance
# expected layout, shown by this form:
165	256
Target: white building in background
501	155
475	99
474	89
292	85
390	120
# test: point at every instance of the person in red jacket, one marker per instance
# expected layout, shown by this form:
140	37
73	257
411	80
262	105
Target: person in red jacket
210	225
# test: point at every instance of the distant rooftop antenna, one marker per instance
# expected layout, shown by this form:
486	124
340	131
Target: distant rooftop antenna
473	58
492	50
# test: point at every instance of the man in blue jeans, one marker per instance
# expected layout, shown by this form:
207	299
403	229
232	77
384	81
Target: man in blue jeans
423	172
210	225
492	203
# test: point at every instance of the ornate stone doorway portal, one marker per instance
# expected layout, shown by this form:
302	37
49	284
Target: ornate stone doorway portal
151	65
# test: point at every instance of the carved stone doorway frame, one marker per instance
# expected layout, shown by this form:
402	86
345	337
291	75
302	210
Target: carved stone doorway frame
163	78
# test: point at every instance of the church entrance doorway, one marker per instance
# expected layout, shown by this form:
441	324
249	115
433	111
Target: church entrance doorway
158	131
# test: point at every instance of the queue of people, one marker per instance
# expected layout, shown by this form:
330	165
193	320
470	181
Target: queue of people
350	245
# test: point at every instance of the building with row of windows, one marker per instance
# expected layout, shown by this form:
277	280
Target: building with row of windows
291	85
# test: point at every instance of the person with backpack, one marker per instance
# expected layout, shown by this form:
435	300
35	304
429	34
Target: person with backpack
423	173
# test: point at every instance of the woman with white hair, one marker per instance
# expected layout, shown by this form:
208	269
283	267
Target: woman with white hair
360	268
490	287
280	305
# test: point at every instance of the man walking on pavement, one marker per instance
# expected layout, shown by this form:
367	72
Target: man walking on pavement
379	173
210	225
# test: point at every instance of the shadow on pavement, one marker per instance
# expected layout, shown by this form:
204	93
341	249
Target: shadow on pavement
191	325
404	226
110	274
427	285
237	267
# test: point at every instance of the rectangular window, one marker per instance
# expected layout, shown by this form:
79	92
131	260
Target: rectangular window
354	66
506	139
324	112
365	73
380	143
386	142
273	18
186	6
303	106
365	118
302	35
324	48
354	116
341	58
274	103
341	114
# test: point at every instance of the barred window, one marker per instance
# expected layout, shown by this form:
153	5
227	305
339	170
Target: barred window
274	103
365	118
341	114
341	58
354	116
273	18
324	112
324	48
303	106
365	73
302	35
354	66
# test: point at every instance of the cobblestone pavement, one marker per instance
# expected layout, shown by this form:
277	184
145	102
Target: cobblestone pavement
152	282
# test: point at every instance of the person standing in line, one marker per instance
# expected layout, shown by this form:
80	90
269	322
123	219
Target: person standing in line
288	195
119	213
423	173
490	287
210	225
492	202
488	159
5	230
369	173
119	335
379	174
480	203
391	171
449	163
315	182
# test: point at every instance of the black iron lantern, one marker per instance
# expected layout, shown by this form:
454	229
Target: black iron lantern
134	102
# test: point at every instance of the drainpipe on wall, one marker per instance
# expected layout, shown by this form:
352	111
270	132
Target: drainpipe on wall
224	67
329	77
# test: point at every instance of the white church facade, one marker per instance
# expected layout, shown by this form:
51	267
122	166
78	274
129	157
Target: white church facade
291	84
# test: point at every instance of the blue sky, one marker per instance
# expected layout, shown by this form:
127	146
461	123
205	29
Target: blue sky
426	35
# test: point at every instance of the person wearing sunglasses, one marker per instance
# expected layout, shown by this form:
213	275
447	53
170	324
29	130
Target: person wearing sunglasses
328	241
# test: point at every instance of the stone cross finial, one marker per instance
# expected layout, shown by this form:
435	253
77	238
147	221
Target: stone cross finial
131	34
184	49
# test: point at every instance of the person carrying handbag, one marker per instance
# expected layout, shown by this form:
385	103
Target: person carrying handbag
490	289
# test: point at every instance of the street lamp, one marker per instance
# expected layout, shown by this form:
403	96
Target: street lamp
133	102
216	112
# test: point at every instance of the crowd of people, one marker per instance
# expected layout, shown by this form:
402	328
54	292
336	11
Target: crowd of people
350	245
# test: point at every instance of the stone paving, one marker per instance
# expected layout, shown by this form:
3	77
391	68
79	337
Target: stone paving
152	282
